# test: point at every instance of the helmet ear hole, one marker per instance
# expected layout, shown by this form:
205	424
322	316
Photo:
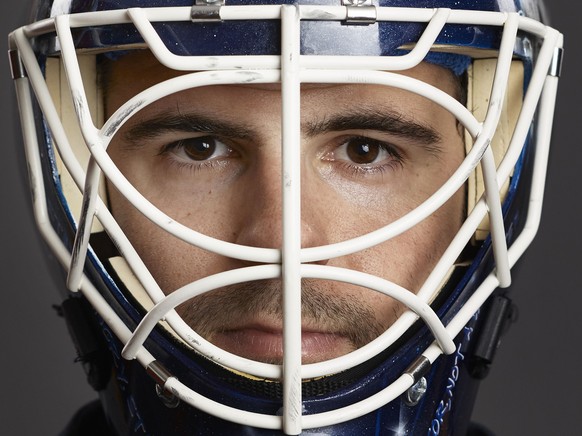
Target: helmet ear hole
480	81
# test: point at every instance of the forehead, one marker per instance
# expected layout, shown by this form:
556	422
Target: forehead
135	72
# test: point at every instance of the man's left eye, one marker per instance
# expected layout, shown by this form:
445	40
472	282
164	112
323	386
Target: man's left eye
364	151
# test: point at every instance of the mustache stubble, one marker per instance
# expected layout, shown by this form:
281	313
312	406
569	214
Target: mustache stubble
221	310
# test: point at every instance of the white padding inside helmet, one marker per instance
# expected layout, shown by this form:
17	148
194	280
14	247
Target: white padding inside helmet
480	82
60	92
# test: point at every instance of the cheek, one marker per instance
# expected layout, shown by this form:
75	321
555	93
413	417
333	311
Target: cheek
171	261
408	259
196	200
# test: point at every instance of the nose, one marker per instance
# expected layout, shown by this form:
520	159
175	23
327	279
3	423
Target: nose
260	213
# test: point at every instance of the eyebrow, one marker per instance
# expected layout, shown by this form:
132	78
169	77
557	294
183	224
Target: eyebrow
377	119
159	125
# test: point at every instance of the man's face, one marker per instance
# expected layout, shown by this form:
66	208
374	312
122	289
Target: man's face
210	158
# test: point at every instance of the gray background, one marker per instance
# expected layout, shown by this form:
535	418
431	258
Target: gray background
535	384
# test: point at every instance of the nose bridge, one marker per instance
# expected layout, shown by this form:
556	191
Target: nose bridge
267	215
261	209
260	214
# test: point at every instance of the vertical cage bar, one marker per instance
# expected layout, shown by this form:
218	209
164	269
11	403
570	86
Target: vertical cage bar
291	191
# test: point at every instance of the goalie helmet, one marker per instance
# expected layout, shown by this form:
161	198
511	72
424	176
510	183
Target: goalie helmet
156	373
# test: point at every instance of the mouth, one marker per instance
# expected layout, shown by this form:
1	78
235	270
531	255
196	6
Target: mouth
265	344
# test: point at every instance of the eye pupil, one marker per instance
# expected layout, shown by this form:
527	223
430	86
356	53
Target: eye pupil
361	151
199	148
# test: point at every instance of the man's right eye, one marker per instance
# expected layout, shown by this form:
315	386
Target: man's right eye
201	148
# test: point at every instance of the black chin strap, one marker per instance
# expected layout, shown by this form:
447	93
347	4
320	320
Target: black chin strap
498	314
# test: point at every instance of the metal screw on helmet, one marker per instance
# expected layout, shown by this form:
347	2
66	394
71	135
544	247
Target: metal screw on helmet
360	12
206	10
415	393
356	2
171	401
161	376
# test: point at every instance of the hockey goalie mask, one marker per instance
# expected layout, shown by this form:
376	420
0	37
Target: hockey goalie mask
286	216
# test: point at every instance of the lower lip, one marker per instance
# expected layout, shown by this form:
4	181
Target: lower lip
267	346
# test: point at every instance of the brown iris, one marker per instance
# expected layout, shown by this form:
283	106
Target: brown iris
362	150
199	148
